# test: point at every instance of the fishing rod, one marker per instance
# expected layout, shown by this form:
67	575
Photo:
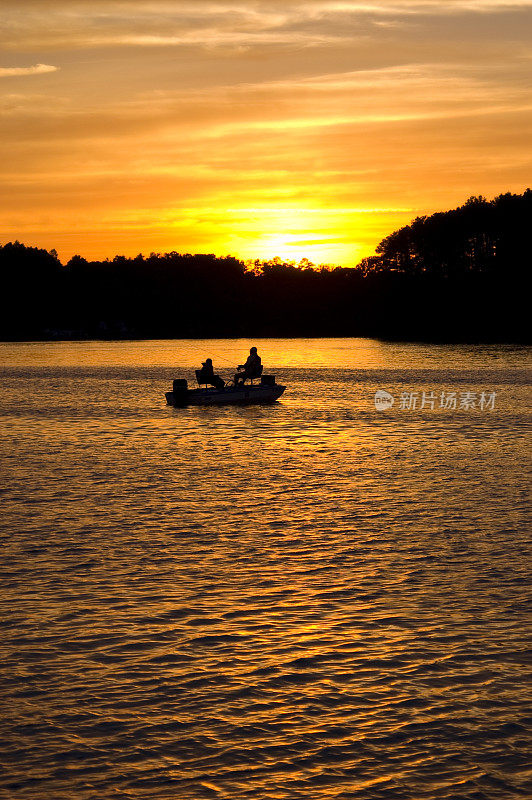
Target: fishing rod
214	353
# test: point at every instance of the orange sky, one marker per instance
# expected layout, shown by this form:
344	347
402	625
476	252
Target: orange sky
256	128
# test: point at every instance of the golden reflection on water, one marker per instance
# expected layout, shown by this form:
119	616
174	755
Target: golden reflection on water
325	353
308	600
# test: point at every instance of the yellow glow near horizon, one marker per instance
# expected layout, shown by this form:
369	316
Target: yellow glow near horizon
299	130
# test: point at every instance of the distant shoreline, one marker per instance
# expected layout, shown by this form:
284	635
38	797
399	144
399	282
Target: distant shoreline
457	276
262	337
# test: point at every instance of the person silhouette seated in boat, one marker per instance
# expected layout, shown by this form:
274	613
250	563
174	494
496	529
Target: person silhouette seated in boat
251	369
206	375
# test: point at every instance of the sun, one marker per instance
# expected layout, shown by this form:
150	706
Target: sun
292	234
288	247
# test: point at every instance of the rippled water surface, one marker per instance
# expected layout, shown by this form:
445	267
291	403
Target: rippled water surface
310	600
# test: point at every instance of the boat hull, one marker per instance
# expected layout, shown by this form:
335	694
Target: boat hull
231	396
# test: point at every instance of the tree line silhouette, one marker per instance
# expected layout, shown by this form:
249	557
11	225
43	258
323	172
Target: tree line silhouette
458	275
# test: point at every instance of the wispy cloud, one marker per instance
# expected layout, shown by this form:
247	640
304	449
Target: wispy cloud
37	69
419	6
216	23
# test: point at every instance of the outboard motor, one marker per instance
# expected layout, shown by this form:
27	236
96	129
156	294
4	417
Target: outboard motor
180	392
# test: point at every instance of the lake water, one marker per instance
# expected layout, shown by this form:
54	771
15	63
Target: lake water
314	599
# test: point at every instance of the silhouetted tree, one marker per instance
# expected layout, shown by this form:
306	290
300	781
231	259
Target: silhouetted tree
459	274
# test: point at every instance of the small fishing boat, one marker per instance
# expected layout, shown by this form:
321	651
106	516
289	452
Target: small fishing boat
267	391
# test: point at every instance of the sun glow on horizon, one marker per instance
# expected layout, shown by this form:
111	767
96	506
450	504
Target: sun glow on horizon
203	128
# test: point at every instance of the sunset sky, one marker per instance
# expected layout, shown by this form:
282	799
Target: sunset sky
256	128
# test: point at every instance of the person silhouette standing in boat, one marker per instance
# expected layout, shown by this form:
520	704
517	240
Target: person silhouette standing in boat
251	369
206	375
